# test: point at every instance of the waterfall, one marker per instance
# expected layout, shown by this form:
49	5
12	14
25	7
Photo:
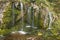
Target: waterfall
22	13
13	14
28	16
22	31
32	15
50	20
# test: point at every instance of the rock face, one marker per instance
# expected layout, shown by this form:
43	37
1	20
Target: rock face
3	6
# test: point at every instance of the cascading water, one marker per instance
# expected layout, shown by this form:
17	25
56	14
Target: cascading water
29	16
22	31
48	17
50	20
32	14
33	6
13	14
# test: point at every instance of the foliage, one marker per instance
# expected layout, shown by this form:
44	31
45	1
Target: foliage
53	34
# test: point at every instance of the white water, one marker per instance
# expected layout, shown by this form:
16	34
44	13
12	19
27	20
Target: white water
28	26
21	32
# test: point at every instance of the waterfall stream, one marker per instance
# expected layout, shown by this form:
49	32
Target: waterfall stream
22	31
50	20
32	14
22	13
29	16
13	14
